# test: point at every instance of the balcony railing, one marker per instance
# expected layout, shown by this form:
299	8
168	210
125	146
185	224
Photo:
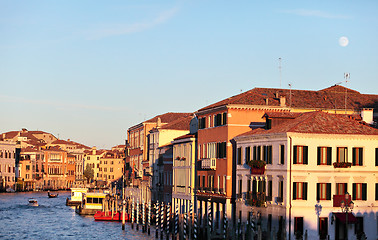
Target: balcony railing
342	164
279	199
337	199
209	163
255	199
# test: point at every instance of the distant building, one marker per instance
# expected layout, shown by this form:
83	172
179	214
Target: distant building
111	166
8	157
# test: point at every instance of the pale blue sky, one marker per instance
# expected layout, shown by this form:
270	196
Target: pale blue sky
88	70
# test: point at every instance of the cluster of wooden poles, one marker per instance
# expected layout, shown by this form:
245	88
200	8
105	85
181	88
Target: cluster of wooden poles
170	224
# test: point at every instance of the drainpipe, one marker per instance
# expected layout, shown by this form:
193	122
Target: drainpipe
291	147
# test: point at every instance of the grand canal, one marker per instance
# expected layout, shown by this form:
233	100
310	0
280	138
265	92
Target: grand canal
52	219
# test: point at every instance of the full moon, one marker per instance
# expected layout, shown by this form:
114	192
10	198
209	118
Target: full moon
343	41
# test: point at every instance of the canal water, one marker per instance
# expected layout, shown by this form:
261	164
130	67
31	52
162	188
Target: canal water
52	219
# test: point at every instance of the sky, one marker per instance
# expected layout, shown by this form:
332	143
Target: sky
88	70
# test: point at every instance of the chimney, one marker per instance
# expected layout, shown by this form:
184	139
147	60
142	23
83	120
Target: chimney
158	122
93	150
367	115
282	101
266	101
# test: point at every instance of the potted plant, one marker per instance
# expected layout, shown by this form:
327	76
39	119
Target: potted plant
342	164
257	166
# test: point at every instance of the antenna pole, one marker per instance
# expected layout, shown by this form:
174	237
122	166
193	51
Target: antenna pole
290	93
346	77
279	67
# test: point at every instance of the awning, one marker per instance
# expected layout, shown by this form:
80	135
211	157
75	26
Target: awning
342	217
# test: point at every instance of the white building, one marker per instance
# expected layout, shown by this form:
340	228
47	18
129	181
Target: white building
7	165
184	169
311	160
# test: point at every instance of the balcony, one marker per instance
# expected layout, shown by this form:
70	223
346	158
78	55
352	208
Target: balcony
337	199
257	166
209	163
255	199
342	164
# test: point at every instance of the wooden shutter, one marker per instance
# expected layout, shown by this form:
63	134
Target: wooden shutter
224	118
318	190
354	156
376	157
328	197
294	190
354	192
304	191
360	155
305	154
319	155
329	155
239	155
364	191
295	154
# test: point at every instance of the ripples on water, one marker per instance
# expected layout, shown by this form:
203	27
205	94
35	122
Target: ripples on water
52	219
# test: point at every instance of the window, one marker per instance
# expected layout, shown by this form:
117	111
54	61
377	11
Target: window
282	154
280	191
376	192
323	227
342	154
300	154
298	226
203	181
220	119
341	188
324	155
239	156
257	153
221	150
357	156
267	157
248	185
240	187
359	191
323	191
27	167
300	190
202	123
247	154
269	191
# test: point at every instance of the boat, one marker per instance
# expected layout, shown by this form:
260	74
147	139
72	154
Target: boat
107	216
76	196
33	202
91	203
52	195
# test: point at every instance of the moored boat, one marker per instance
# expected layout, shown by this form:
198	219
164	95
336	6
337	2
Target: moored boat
33	202
76	196
107	216
91	203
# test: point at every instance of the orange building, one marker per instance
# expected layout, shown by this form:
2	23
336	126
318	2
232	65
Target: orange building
111	166
219	123
55	168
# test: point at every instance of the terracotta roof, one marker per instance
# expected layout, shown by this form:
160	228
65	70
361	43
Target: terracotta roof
319	122
61	141
281	114
182	123
189	135
9	135
328	98
168	117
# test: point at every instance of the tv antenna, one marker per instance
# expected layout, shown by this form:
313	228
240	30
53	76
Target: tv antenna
346	77
279	67
290	94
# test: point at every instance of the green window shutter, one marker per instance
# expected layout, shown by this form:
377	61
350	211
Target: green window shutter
360	154
328	191
295	154
354	156
364	191
305	154
317	191
329	155
294	190
319	155
305	191
376	157
354	192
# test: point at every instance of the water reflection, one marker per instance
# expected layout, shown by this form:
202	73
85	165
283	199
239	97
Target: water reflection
52	219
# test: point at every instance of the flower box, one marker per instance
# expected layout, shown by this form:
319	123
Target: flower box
342	164
257	170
